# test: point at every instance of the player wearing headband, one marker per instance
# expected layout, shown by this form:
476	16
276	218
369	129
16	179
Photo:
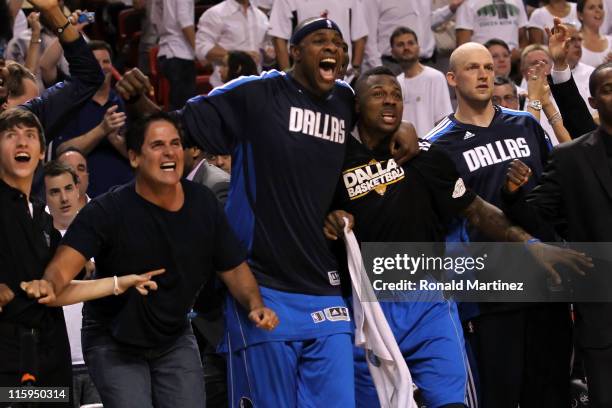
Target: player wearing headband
286	133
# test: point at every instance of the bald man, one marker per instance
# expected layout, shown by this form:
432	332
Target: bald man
512	342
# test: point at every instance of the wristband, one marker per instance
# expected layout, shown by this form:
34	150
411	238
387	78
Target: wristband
115	286
60	30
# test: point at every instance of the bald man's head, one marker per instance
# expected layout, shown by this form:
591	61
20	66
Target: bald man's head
471	73
464	52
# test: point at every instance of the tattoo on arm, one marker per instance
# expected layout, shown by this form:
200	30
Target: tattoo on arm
492	222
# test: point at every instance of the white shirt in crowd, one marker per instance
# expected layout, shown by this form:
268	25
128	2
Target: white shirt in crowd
488	19
384	16
541	18
227	26
593	58
426	99
170	17
348	14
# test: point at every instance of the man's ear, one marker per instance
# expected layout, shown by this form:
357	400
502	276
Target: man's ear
134	159
296	52
451	79
593	102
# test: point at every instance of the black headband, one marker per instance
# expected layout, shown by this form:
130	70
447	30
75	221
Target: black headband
314	25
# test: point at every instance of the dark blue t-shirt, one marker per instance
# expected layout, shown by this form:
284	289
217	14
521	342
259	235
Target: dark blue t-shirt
107	167
287	150
127	234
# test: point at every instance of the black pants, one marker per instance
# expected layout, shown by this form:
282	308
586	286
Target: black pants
44	352
524	357
598	365
181	74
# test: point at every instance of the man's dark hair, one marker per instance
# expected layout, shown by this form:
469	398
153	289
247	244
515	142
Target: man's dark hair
17	73
19	117
240	63
136	132
401	31
500	80
55	168
363	79
496	41
100	45
594	78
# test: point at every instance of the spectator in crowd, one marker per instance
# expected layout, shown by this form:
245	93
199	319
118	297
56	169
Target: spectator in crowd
511	341
62	197
236	64
96	131
222	161
23	319
75	159
596	47
231	25
148	38
424	89
28	241
348	14
53	65
501	57
13	22
174	21
21	85
543	17
482	20
384	16
301	276
139	227
28	46
575	171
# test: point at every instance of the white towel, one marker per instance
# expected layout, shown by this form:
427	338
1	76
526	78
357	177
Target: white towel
372	332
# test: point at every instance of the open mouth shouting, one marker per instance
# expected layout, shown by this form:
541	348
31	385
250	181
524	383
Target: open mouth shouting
22	157
327	69
389	117
168	166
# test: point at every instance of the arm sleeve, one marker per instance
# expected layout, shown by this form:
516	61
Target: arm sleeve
448	190
359	26
280	19
215	122
465	17
65	97
90	230
228	251
185	13
209	28
576	116
440	16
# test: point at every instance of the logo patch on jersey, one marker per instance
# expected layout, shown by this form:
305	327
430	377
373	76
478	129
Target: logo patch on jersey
316	124
337	313
318	316
459	190
497	152
468	135
374	176
334	278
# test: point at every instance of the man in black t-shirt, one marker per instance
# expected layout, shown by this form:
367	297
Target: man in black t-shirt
141	350
410	203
